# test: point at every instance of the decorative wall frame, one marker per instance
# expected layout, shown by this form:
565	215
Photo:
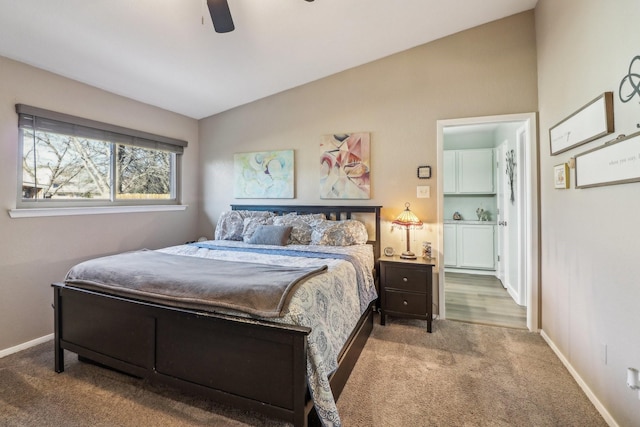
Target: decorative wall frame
590	122
263	175
424	172
615	162
561	176
345	166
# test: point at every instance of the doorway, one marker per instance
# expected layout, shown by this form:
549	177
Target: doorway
518	229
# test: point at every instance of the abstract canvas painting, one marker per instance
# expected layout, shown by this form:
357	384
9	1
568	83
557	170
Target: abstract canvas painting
344	166
264	174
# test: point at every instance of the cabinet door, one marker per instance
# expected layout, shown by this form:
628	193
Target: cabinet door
475	171
449	172
476	246
450	245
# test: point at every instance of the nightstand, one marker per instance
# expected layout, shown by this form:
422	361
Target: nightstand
406	288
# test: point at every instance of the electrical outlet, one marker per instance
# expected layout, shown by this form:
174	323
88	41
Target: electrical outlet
423	191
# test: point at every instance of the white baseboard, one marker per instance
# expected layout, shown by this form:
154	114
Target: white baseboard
25	345
585	388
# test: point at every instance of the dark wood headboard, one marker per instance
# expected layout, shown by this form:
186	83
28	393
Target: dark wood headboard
331	212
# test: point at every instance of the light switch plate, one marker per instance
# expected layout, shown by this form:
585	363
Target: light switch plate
423	192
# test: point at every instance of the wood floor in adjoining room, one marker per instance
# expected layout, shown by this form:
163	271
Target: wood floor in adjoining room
481	299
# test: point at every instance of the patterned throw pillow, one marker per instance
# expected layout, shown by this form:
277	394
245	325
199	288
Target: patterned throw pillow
231	223
302	226
251	224
339	233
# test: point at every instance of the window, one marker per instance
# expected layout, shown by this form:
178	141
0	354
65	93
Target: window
71	161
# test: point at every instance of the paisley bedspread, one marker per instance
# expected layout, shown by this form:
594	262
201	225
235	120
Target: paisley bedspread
330	304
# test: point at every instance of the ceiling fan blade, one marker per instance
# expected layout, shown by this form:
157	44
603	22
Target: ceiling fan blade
220	15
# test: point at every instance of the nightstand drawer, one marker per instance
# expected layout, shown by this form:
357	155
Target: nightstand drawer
407	279
405	302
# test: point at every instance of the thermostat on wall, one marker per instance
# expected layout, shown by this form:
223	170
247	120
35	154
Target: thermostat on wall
424	172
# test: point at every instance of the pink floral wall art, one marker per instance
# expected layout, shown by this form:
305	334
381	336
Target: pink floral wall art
345	166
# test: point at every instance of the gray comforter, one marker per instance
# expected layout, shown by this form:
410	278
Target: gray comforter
200	283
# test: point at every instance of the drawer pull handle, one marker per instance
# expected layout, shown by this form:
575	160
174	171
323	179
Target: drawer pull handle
404	279
405	302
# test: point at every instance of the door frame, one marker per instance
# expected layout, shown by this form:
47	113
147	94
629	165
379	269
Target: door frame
531	216
522	209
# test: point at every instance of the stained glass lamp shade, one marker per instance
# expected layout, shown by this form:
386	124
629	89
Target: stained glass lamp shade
407	220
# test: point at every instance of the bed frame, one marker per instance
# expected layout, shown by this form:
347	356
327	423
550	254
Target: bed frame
199	352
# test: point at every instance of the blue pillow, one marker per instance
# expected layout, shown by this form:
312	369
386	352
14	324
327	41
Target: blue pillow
276	235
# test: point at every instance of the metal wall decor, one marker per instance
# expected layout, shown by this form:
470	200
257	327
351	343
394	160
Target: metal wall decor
630	84
510	171
590	122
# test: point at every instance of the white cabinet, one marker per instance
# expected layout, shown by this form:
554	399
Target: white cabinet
475	171
450	172
468	171
470	246
476	247
450	245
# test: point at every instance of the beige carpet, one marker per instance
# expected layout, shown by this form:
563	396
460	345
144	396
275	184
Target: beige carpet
460	375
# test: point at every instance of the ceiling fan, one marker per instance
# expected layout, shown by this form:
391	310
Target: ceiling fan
221	15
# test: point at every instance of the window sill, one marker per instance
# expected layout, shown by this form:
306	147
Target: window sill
42	212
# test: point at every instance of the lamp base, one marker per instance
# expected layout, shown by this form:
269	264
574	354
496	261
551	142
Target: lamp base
408	255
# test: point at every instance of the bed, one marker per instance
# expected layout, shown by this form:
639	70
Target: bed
271	365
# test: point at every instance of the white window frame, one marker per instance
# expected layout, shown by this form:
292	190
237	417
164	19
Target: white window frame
29	116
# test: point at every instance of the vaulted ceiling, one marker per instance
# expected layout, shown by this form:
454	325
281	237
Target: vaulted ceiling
166	52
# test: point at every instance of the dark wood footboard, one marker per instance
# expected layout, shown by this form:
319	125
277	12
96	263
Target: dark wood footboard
248	364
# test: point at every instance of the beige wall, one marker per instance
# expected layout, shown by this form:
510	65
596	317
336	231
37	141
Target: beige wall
575	50
488	70
38	251
590	286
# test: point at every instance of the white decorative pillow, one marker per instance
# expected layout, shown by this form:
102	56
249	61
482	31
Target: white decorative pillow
301	226
231	223
339	233
251	224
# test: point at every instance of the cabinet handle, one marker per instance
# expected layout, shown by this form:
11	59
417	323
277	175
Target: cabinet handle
405	302
404	279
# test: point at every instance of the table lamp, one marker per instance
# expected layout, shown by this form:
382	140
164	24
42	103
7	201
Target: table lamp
407	220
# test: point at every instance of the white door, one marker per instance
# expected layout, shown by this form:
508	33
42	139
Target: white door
511	226
503	242
522	207
512	165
